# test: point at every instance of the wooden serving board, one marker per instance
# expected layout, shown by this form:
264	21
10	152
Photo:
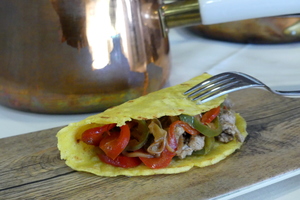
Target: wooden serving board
30	165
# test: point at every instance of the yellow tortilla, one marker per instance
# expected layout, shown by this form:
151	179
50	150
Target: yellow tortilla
166	102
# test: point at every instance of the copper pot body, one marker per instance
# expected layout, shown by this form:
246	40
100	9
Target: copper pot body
268	30
78	56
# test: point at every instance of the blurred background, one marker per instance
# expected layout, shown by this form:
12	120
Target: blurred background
49	75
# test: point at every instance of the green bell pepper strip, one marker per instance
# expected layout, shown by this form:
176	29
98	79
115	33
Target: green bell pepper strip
202	128
138	137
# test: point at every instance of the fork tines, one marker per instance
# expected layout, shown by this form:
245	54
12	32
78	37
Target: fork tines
227	82
211	88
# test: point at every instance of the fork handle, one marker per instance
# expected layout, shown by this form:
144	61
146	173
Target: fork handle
219	11
295	93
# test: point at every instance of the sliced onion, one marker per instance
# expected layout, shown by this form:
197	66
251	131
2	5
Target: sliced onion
169	148
160	138
180	144
137	154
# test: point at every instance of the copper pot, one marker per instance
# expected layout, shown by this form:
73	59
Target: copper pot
75	56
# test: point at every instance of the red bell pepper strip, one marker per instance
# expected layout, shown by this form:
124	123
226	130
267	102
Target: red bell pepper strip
159	162
120	161
114	143
210	115
187	128
94	135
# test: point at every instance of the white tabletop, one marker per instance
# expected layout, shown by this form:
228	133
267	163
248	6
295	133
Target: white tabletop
276	65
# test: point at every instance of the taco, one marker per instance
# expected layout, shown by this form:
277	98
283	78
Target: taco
159	133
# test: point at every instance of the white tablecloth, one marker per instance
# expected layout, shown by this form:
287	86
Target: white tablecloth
276	65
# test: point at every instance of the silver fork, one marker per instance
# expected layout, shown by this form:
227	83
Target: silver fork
227	82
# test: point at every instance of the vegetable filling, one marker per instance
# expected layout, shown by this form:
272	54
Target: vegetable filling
155	142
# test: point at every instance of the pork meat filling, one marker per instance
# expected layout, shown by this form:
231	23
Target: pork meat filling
227	120
187	144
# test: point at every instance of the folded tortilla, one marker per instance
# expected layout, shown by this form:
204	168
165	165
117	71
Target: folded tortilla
166	102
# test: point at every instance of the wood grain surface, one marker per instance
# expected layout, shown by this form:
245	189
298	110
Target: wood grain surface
30	165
